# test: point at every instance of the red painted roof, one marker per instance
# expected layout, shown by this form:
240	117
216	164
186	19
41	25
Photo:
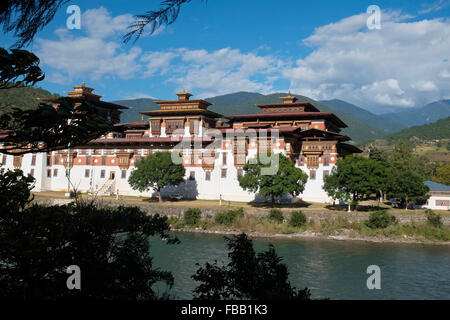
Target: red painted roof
280	104
132	124
300	114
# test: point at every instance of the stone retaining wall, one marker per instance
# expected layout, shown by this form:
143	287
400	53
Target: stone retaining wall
174	211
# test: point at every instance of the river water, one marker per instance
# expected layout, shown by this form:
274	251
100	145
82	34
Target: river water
331	269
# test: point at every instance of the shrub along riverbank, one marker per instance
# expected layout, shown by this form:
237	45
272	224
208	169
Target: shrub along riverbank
379	226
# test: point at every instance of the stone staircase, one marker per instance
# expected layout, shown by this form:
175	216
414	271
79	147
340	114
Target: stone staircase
107	189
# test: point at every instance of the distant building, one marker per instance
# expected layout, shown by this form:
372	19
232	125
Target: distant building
309	137
439	196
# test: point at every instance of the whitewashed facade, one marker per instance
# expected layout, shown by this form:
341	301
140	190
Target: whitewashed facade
296	129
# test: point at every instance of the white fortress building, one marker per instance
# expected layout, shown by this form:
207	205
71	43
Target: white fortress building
214	148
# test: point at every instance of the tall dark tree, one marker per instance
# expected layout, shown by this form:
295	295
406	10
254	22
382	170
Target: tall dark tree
154	19
48	128
19	68
110	246
248	275
26	17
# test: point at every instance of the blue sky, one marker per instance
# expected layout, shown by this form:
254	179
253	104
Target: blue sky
321	49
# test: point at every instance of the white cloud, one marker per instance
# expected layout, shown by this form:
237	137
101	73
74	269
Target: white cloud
92	56
88	57
157	62
400	64
100	24
215	72
423	85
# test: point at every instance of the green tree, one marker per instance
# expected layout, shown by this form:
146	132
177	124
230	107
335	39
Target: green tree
378	155
382	158
110	245
47	129
354	177
287	180
248	275
407	185
156	171
19	68
442	174
402	159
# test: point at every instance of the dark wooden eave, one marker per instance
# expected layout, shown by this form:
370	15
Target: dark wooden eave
349	148
317	133
187	112
103	104
290	115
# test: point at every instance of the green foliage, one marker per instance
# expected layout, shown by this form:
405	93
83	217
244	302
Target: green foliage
442	174
297	219
229	217
434	219
276	215
46	128
192	216
424	232
380	220
19	68
249	275
402	159
378	155
407	185
110	245
15	190
156	171
354	177
285	179
435	130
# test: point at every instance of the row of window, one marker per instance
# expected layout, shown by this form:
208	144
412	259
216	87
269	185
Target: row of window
57	160
208	174
313	161
443	203
123	174
87	173
312	174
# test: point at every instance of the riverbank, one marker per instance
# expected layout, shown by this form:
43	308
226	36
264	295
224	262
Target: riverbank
312	236
321	221
277	224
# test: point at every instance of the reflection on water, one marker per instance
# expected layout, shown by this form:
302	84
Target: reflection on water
333	269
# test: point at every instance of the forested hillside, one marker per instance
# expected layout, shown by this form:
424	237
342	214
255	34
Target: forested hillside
25	98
